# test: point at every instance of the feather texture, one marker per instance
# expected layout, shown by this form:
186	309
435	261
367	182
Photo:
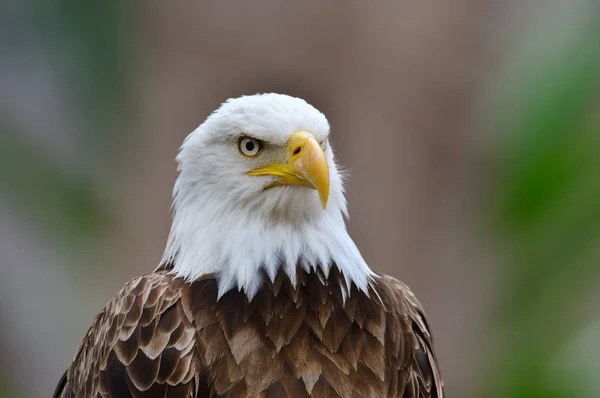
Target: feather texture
262	292
163	337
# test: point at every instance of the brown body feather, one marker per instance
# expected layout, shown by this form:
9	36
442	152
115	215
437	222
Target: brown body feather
162	337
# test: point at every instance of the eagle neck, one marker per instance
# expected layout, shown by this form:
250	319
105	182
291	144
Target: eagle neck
239	249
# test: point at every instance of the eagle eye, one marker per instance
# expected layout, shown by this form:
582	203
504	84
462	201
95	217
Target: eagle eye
249	147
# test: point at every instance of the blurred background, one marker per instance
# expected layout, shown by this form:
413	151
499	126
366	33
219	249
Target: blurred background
471	129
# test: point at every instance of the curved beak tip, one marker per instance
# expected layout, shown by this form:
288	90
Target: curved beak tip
310	163
324	198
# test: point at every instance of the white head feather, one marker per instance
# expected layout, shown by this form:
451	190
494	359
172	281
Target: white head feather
226	223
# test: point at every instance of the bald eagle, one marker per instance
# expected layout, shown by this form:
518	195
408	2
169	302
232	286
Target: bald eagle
261	292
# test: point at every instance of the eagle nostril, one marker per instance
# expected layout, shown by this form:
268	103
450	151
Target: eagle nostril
297	150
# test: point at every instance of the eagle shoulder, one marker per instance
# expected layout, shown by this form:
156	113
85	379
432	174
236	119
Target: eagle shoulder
141	344
423	378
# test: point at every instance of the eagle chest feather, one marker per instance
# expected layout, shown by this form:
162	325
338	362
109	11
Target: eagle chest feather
163	337
299	341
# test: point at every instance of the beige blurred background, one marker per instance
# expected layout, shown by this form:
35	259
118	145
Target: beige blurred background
437	108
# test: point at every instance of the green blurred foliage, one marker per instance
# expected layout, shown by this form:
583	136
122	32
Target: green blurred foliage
65	204
7	389
91	43
86	45
547	209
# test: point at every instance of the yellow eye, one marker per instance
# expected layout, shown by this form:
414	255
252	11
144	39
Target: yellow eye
249	147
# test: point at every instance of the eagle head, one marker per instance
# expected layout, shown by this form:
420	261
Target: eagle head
258	189
263	155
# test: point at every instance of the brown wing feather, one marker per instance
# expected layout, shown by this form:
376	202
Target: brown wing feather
423	378
142	344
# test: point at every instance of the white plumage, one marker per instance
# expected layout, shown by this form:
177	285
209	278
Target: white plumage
225	222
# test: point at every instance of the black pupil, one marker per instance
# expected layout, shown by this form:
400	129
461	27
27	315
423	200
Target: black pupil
249	146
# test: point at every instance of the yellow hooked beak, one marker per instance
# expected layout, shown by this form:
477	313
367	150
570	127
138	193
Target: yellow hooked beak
306	166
